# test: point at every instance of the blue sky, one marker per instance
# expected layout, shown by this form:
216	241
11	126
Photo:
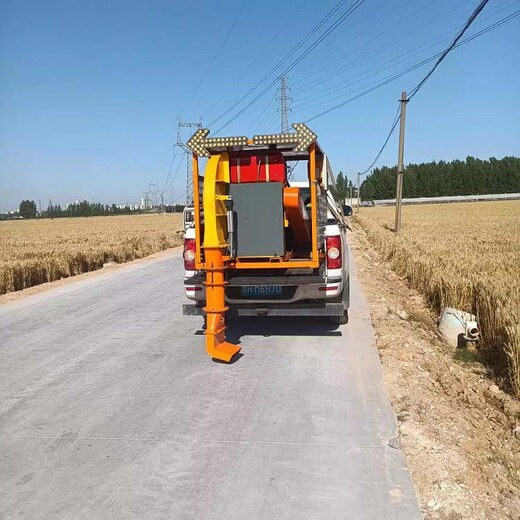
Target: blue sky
90	90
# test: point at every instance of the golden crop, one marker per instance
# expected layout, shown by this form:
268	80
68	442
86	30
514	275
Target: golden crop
37	251
465	256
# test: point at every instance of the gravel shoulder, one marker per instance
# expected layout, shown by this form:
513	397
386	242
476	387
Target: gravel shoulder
460	433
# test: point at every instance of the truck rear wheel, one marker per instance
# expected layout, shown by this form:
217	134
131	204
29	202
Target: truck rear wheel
339	320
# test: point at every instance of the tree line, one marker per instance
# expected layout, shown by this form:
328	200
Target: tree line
435	179
85	208
27	210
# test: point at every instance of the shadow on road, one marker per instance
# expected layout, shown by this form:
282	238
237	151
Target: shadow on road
278	326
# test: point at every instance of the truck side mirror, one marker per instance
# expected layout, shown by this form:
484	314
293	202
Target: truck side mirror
347	210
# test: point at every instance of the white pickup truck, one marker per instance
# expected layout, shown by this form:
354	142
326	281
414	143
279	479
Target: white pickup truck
294	292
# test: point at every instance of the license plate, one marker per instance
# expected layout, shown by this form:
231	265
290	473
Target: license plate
261	291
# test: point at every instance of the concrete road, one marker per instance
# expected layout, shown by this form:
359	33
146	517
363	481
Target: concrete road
110	408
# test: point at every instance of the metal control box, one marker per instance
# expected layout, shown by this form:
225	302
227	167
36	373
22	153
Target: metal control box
259	217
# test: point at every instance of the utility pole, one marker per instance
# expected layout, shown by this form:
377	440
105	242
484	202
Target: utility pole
284	106
189	166
400	167
358	192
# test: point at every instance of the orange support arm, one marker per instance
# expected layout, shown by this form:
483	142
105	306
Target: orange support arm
216	180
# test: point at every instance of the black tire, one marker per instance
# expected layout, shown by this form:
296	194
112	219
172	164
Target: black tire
339	320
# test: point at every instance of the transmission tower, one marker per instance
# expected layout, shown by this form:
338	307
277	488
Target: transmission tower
284	106
189	168
154	192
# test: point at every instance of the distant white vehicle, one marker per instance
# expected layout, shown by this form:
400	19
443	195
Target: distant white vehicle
188	217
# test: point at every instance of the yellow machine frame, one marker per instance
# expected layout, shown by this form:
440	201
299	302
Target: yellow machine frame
268	263
214	245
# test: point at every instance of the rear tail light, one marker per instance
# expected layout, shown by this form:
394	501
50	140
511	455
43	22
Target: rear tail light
189	254
334	260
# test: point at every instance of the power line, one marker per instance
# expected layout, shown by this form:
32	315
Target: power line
325	79
495	25
333	46
174	156
282	61
178	198
414	67
270	123
299	59
266	121
394	124
470	20
470	38
372	88
377	37
200	84
360	77
261	115
303	55
215	57
175	175
182	145
447	35
295	49
260	54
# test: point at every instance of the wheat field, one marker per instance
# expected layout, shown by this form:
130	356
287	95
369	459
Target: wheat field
465	256
37	251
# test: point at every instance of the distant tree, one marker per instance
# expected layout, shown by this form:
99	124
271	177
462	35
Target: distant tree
84	208
27	209
470	177
342	186
367	191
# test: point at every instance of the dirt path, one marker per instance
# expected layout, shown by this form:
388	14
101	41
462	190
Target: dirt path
459	432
